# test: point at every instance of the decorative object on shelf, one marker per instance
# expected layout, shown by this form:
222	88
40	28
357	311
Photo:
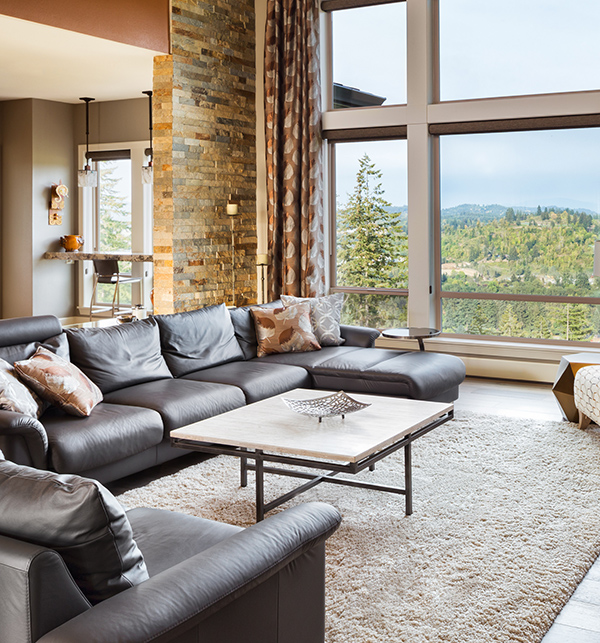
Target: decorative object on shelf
232	211
147	170
262	261
71	242
58	193
337	404
87	178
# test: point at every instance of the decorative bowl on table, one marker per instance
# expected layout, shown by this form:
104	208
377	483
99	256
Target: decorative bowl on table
328	406
125	318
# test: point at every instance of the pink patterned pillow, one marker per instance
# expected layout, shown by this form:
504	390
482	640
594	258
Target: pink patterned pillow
284	330
60	382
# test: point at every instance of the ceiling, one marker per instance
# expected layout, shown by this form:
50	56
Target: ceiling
54	64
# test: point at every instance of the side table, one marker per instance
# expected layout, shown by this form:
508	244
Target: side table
565	380
411	332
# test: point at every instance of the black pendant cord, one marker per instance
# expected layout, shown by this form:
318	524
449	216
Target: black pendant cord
87	130
149	94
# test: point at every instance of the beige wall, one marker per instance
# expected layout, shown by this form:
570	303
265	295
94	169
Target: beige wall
39	147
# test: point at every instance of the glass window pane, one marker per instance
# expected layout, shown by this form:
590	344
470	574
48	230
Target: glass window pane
519	215
371	214
518	47
369	56
114	205
374	311
540	320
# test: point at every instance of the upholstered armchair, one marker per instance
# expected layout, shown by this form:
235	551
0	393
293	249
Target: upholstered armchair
75	567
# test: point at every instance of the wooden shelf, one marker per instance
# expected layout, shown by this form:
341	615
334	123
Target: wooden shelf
89	256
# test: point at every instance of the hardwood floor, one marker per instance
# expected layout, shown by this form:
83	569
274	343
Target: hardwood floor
579	621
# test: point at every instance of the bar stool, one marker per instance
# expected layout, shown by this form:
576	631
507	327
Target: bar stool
106	271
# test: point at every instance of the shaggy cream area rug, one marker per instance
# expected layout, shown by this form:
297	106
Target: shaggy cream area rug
506	523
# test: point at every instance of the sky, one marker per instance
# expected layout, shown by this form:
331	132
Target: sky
487	49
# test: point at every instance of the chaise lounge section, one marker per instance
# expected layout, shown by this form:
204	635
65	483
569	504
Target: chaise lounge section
167	371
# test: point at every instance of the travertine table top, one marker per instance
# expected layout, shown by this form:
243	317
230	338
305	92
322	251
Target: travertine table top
269	425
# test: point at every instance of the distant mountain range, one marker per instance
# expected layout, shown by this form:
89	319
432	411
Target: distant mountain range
489	212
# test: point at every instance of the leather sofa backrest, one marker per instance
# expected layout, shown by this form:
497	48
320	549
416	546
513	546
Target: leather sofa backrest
245	331
116	357
198	339
21	336
79	519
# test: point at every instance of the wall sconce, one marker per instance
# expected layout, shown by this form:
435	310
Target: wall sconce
147	170
87	178
262	261
58	193
232	210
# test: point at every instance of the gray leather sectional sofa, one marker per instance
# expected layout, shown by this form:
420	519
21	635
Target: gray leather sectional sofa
170	370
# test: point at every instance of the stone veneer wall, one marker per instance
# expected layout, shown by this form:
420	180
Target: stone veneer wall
205	149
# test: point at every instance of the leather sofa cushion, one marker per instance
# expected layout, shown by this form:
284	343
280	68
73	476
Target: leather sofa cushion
243	325
256	379
112	432
57	344
181	401
167	538
311	359
78	518
198	339
417	374
119	356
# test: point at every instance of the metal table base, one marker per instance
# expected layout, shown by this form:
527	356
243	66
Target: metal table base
331	469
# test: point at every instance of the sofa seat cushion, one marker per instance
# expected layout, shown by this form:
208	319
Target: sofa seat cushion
308	360
198	339
256	379
167	538
118	356
112	432
416	374
180	401
79	519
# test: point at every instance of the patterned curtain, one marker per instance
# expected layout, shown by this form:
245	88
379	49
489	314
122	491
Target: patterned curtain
294	149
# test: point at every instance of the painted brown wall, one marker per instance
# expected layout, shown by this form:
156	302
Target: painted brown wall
142	23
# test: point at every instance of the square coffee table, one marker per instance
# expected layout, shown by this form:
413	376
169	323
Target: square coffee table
268	431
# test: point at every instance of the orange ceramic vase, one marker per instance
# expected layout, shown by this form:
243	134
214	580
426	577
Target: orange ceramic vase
71	242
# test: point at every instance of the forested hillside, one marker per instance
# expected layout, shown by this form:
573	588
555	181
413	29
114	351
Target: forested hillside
546	251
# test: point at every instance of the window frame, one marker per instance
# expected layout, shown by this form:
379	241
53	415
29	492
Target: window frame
425	118
141	222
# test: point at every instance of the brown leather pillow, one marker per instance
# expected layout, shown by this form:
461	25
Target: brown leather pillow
284	330
59	382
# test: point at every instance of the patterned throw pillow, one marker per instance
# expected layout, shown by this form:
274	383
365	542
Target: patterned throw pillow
325	315
60	382
284	330
15	396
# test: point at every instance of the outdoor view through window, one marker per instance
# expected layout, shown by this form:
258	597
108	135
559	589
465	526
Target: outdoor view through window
520	210
113	220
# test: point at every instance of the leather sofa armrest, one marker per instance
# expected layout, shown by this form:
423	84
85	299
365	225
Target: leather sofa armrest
23	439
182	596
359	336
38	593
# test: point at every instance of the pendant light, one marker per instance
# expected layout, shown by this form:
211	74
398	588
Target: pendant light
87	178
147	171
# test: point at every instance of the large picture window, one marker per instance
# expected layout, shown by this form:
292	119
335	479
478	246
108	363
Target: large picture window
517	47
519	219
371	231
369	56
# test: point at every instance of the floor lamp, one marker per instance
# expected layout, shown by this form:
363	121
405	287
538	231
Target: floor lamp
262	261
232	212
